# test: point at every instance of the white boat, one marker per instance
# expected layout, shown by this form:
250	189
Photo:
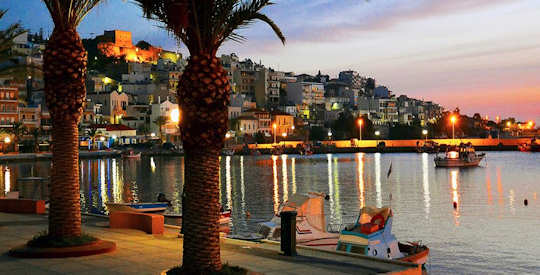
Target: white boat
227	152
147	207
131	155
310	222
371	235
461	156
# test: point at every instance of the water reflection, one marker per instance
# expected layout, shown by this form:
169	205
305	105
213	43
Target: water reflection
360	178
276	188
425	183
293	172
330	185
7	179
228	187
152	165
378	179
284	175
337	201
455	194
242	185
488	188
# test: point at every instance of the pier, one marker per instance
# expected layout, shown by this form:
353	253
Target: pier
141	253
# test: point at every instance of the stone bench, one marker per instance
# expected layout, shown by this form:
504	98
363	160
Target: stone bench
149	223
24	206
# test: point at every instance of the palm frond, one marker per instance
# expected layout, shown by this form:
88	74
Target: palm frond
203	25
69	13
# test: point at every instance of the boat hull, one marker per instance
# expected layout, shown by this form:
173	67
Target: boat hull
137	207
417	254
457	162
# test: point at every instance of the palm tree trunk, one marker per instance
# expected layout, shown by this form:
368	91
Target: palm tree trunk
201	211
65	208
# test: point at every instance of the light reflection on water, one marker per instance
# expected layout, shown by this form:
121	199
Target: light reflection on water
489	231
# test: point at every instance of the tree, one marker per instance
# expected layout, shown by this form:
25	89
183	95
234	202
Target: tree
10	65
64	66
203	96
19	131
36	134
160	121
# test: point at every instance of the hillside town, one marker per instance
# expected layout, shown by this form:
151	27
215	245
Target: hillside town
131	99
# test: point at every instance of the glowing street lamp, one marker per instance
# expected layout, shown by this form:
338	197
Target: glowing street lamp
7	140
175	116
508	124
329	134
425	132
360	122
152	134
453	120
227	135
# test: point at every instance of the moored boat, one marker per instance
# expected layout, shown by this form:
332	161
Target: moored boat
462	156
310	222
371	235
532	146
429	147
130	154
147	207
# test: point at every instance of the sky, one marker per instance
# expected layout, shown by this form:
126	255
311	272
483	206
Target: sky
479	55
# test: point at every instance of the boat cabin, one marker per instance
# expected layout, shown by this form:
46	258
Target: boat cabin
371	235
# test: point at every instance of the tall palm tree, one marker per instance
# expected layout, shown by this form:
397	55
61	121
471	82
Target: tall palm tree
10	66
65	61
203	95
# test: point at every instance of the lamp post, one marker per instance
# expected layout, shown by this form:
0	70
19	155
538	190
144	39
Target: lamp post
329	134
425	132
453	120
7	140
275	127
284	135
175	117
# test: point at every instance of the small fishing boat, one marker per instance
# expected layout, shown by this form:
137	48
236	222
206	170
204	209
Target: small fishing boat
130	154
146	207
371	235
429	147
227	152
310	222
532	146
462	156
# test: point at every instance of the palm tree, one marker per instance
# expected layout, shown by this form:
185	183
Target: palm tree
203	96
10	65
65	61
36	133
160	121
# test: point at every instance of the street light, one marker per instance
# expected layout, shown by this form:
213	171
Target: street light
360	122
7	140
329	134
275	127
453	120
425	132
175	116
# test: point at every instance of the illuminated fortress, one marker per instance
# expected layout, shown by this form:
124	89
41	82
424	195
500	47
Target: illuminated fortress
118	44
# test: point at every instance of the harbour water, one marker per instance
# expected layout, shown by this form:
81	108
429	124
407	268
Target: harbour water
489	231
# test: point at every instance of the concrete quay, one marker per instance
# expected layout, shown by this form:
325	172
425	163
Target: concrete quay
141	253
